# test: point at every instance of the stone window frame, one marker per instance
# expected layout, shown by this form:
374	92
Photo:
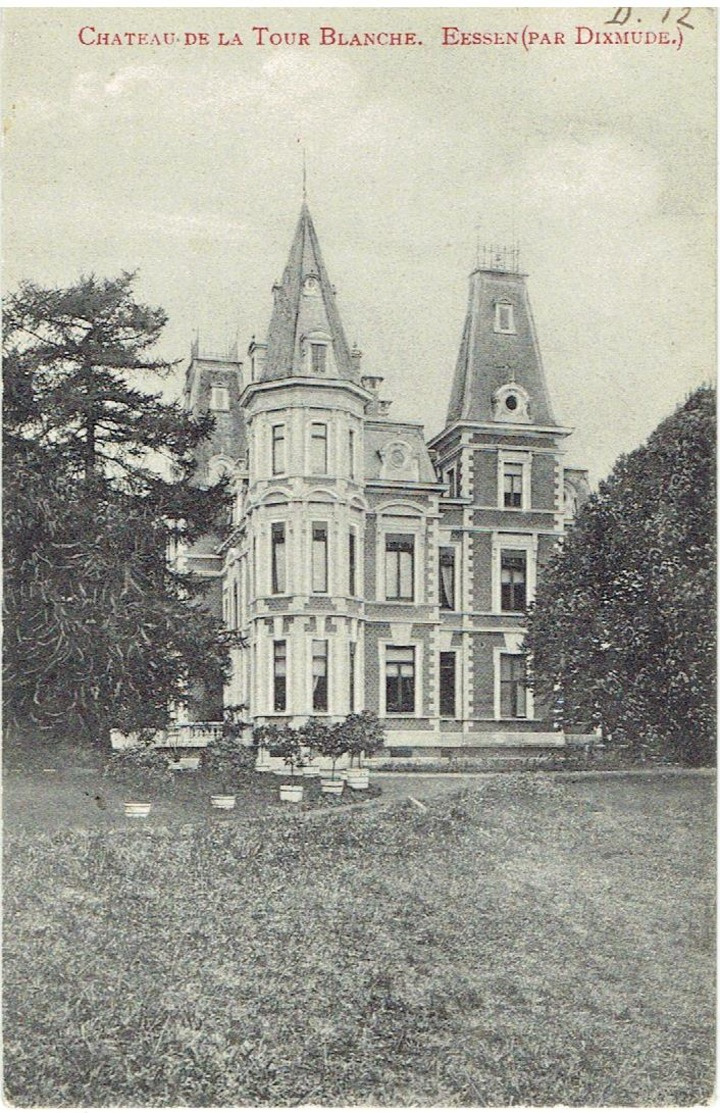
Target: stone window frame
457	692
506	456
274	441
325	424
325	524
456	547
317	338
527	543
271	563
398	518
505	317
219	398
410	643
510	650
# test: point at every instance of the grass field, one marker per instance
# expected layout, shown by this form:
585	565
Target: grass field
523	942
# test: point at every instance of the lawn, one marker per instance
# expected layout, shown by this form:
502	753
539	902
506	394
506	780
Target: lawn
522	942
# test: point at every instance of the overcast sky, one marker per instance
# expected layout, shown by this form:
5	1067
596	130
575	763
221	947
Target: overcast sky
185	163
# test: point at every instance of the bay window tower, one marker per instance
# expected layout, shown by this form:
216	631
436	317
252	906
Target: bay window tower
304	508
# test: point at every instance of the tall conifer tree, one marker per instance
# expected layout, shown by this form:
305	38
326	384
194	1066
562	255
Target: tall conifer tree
98	474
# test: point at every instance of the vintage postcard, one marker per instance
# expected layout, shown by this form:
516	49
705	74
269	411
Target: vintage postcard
359	527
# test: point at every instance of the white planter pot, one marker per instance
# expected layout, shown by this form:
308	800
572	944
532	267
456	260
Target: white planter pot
292	794
332	787
224	802
184	764
358	778
138	811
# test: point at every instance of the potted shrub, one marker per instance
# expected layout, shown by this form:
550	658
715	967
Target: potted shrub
283	742
141	771
326	741
179	762
228	758
363	738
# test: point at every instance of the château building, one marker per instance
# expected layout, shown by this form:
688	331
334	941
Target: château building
366	568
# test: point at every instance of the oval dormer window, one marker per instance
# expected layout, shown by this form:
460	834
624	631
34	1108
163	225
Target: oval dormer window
511	403
399	461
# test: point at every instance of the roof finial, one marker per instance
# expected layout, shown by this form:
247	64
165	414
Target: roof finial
304	176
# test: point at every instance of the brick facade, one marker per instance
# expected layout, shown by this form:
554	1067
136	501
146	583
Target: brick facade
366	568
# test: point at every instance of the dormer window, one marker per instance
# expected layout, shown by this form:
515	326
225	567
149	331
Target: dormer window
511	403
311	286
399	461
504	317
219	399
318	358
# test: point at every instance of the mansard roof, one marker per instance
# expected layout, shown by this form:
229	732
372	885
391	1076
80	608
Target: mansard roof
305	308
498	347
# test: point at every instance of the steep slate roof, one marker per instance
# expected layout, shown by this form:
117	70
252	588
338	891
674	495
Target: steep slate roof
295	314
229	436
490	359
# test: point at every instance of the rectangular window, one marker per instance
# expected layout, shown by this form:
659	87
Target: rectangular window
318	358
319	557
447	578
320	676
219	398
318	448
513	579
278	571
351	453
278	449
504	317
280	676
351	562
351	676
400	679
512	485
447	685
399	566
513	696
451	478
236	607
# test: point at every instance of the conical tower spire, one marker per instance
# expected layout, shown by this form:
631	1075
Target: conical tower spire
499	349
306	336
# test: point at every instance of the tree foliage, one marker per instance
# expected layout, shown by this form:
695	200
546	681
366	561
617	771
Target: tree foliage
622	633
98	479
364	735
